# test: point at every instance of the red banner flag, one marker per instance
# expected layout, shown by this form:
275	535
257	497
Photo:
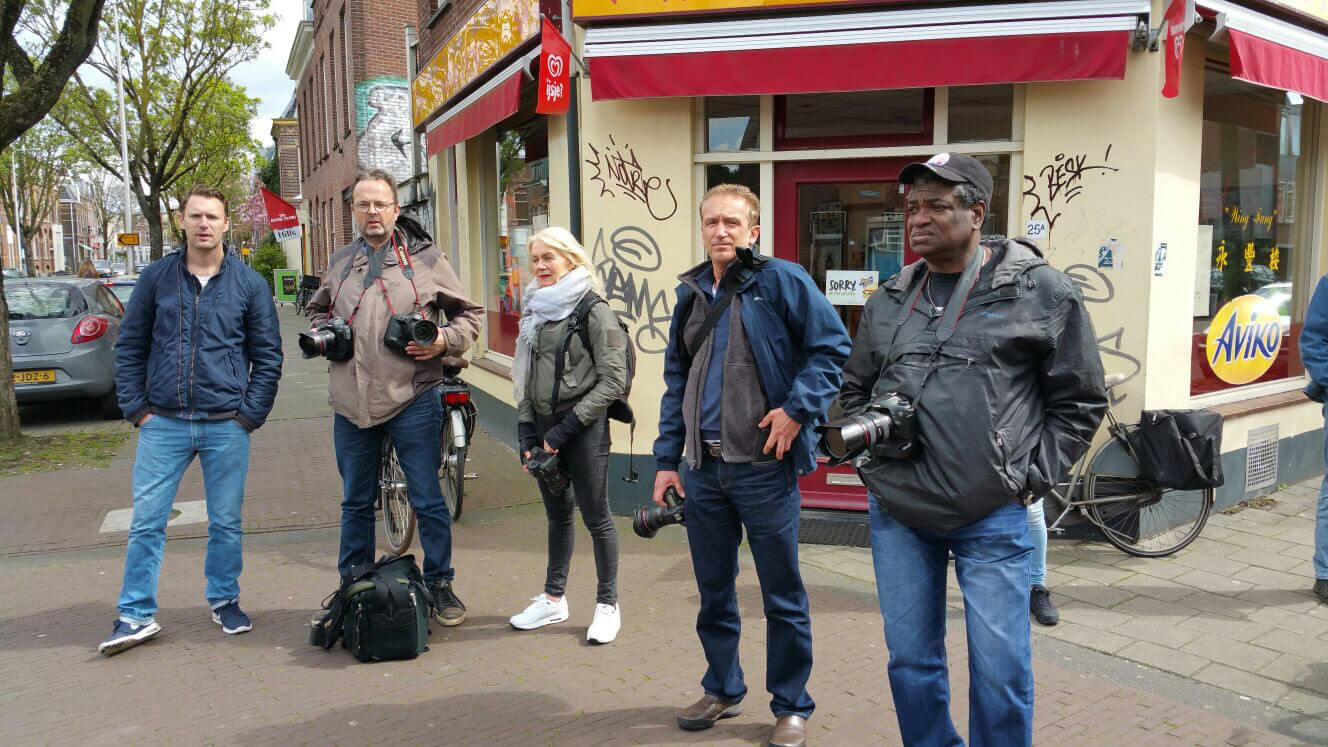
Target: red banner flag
1176	21
281	216
554	74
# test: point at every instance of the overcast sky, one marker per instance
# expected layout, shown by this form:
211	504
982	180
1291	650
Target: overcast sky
265	77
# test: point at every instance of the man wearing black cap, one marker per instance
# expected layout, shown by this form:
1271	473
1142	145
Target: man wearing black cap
995	350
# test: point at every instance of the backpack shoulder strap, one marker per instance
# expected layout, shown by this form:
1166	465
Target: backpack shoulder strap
576	325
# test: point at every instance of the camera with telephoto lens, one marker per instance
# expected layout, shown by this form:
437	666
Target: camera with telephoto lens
651	519
548	469
332	339
886	429
403	329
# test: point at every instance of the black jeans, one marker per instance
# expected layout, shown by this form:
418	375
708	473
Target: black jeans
586	459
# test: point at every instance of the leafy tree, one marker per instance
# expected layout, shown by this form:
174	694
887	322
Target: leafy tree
269	257
40	161
187	122
106	197
269	173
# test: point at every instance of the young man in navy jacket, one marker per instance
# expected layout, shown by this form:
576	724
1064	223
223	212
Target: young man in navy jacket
196	369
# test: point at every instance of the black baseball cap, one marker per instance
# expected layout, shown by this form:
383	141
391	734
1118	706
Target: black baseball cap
956	168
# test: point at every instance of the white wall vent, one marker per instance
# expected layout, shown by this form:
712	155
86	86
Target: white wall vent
1261	458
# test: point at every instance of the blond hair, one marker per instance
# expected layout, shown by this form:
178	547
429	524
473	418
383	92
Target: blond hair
562	241
740	191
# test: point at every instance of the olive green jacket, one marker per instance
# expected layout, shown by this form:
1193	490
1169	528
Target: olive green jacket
592	382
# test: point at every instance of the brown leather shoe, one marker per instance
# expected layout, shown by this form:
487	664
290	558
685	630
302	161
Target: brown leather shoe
790	731
705	712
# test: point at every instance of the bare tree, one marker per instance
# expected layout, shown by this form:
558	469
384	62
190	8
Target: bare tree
107	201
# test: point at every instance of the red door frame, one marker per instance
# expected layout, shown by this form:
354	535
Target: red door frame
819	489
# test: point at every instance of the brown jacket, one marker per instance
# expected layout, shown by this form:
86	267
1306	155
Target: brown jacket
378	382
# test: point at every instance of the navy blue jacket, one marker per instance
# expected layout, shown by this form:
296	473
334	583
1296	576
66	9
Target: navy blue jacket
1314	342
194	352
800	346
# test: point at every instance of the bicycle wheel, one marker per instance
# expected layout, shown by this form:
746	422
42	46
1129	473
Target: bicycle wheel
398	518
452	470
1136	515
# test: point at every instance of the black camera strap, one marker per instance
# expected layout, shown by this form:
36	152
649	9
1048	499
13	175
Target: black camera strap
407	269
949	318
731	283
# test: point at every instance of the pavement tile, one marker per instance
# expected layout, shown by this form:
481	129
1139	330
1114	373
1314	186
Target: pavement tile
1300	670
1305	701
1156	588
1270	579
1161	632
1212	582
1272	560
1256	541
1226	627
1243	656
1098	640
1243	682
1092	593
1292	643
1162	657
1156	611
1094	571
1092	615
1287	620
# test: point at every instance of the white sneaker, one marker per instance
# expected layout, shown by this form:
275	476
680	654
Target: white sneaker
604	628
542	611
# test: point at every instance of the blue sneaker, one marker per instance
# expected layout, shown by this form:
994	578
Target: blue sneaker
231	619
126	635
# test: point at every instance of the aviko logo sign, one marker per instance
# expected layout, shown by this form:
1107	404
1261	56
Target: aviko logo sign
1244	339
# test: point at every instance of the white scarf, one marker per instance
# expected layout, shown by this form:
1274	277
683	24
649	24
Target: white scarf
544	304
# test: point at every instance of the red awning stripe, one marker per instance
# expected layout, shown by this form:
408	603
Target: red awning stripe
471	118
1271	52
861	67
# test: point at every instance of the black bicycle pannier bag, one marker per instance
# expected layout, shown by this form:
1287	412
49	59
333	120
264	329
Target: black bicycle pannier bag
1179	449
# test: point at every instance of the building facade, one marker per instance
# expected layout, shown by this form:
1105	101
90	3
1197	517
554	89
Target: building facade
352	103
1190	222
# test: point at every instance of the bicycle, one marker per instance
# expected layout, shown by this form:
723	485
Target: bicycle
457	430
1133	513
308	286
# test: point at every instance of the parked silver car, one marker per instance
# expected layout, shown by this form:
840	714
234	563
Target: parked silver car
61	338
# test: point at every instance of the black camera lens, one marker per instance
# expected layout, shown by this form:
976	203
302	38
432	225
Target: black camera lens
649	520
855	433
423	332
314	342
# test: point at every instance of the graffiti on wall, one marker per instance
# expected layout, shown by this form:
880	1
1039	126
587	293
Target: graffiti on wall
619	172
1097	289
624	258
1058	183
382	120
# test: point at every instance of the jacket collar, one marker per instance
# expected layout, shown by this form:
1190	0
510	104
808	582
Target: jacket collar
694	276
1021	256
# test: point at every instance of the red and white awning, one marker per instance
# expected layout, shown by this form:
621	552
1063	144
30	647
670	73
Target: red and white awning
1271	52
865	50
491	103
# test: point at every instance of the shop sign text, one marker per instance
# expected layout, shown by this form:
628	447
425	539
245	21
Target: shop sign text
1244	339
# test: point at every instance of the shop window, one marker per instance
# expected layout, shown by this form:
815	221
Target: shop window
733	123
522	159
746	174
981	113
856	119
1250	269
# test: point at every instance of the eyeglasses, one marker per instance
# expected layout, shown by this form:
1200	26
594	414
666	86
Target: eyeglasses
374	207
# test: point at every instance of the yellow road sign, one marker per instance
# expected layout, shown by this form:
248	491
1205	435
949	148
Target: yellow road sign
129	239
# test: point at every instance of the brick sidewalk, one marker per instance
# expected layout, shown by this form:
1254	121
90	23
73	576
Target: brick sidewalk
481	683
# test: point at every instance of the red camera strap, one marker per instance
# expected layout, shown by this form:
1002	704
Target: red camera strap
408	269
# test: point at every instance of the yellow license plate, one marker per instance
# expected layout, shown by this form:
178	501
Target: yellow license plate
42	376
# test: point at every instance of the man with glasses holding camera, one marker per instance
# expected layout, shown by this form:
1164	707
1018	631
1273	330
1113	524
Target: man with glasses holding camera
389	308
974	384
752	363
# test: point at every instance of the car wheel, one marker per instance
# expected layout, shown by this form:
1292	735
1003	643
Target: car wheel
110	406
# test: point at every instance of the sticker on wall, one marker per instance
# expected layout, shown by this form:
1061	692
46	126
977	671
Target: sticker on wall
1110	255
1244	339
1160	259
1037	229
849	287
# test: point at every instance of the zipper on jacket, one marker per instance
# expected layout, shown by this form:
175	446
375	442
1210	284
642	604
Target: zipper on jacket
193	344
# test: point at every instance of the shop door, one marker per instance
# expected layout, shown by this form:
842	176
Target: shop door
836	217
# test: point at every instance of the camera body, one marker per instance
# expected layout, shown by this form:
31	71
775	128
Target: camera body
333	340
548	469
403	329
886	429
650	519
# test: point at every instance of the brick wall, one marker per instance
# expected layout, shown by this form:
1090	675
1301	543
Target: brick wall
353	104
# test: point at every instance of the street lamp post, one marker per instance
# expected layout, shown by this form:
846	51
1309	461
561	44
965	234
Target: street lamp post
124	145
17	217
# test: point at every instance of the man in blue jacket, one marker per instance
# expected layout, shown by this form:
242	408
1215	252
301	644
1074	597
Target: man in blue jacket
196	369
1314	354
744	392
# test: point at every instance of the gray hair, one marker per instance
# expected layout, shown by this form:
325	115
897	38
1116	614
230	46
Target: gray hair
966	194
376	175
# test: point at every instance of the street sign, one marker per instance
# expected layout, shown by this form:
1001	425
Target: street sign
244	250
287	283
129	239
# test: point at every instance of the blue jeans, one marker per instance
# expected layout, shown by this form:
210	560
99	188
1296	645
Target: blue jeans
992	558
1321	515
1037	534
723	499
415	432
166	446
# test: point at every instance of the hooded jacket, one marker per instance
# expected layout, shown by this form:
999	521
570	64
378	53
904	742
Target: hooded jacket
1010	402
378	382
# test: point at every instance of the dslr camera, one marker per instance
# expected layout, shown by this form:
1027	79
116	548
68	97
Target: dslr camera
886	429
651	519
403	329
333	339
548	469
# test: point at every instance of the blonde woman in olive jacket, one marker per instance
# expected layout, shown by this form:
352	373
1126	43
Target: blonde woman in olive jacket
575	426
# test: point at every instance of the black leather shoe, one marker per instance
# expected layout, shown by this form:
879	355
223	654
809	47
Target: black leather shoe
1040	604
790	731
705	712
1321	589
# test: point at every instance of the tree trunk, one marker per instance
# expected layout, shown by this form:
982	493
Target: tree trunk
150	204
8	404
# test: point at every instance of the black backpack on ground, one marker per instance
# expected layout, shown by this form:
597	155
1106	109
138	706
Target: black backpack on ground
380	613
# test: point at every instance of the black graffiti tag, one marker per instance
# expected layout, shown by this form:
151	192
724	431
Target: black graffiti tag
1097	289
618	168
1058	184
617	259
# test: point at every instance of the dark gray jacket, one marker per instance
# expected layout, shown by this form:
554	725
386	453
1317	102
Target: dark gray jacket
1012	400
